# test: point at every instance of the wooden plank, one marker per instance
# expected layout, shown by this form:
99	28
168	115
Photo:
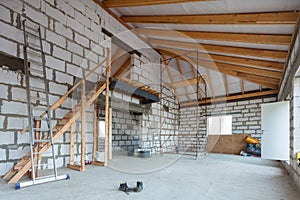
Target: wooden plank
75	167
187	82
95	130
244	18
219	49
98	163
233	97
83	126
130	3
218	36
110	134
122	68
271	65
72	137
242	86
107	107
226	84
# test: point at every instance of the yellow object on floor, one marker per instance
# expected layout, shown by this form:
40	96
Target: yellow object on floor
251	140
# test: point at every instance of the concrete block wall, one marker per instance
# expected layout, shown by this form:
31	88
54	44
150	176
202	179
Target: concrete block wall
246	118
73	44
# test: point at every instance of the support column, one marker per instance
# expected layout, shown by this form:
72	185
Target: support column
83	126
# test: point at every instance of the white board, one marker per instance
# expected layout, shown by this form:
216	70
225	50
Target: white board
275	123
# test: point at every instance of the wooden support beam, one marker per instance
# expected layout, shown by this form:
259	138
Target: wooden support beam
75	167
170	77
118	74
130	3
218	49
217	36
110	134
95	130
226	84
195	76
242	86
83	125
270	65
72	137
187	82
230	98
247	18
108	64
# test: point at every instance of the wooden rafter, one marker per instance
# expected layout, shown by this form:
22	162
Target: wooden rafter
224	66
130	3
226	84
122	68
170	76
182	77
218	49
229	98
232	37
187	82
278	66
252	18
242	86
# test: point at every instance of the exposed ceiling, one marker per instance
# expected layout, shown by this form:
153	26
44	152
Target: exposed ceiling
239	46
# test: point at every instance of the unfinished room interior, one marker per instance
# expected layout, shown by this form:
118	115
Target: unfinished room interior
151	99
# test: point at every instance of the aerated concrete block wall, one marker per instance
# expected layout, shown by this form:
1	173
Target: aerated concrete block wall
73	45
246	118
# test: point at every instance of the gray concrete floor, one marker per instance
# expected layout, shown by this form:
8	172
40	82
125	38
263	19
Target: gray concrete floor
214	177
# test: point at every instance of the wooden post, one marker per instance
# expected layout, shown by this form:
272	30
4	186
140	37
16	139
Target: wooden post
110	135
106	106
83	125
95	134
72	133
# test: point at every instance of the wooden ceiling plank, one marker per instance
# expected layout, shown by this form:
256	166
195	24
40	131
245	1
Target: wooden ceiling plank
245	18
218	49
230	98
218	36
242	86
132	3
278	66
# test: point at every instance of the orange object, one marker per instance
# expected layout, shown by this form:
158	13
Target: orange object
251	140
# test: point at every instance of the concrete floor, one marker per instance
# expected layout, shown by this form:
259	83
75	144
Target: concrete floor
215	177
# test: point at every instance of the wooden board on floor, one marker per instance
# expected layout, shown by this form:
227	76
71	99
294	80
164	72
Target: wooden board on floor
227	144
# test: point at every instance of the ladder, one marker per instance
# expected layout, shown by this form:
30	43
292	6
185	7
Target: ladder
37	91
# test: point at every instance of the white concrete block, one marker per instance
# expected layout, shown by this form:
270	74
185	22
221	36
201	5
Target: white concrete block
3	92
82	40
55	63
17	123
8	47
63	78
71	46
91	56
80	61
66	8
7	138
55	13
23	138
74	70
4	14
61	53
78	6
2	154
73	24
2	121
11	32
91	13
91	34
82	19
17	108
63	30
19	94
5	167
57	88
18	153
36	16
56	39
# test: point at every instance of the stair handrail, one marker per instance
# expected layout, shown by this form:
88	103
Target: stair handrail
60	101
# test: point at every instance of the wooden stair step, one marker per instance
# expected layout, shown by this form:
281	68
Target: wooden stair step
21	164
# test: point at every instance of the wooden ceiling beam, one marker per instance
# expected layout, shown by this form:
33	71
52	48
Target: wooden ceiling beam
131	3
278	66
247	18
277	39
230	98
217	66
218	49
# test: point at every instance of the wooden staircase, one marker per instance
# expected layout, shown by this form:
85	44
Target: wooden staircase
24	165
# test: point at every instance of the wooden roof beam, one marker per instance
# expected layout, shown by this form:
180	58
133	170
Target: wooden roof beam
131	3
247	18
218	49
278	39
230	98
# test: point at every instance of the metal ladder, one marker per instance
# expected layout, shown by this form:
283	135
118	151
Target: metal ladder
37	89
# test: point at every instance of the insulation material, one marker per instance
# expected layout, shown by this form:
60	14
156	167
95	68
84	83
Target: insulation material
250	86
234	85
